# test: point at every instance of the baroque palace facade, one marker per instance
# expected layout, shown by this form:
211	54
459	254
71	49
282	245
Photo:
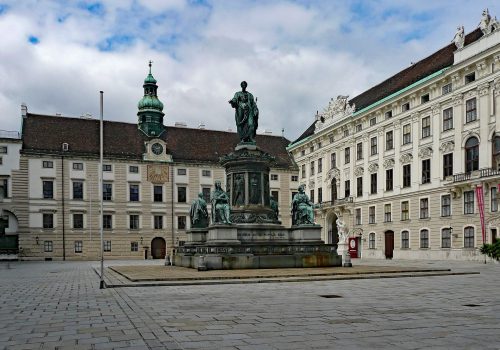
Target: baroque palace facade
411	165
152	173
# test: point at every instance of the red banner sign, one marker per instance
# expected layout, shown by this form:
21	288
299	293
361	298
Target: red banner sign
480	203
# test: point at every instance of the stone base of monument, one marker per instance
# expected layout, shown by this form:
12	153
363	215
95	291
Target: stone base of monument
343	251
259	246
196	236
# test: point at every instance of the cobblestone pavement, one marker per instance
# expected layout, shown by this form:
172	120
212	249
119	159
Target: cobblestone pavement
49	305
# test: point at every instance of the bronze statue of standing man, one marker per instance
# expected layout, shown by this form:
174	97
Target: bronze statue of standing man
246	114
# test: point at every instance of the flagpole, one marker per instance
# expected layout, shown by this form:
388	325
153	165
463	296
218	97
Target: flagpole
101	284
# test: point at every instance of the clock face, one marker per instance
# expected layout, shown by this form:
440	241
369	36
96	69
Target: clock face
157	148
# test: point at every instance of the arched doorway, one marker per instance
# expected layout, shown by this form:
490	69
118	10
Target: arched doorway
333	232
389	244
158	248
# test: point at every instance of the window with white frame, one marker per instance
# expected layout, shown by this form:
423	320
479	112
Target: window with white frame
274	177
373	121
78	246
359	151
426	127
388	114
424	208
48	246
107	221
134	246
77	166
373	146
371	240
446	205
387	212
424	238
470	110
389	140
359	186
448	119
446	89
47	164
406	134
494	200
469	237
426	171
446	238
158	222
107	246
47	220
134	222
405	210
133	169
371	214
320	165
181	172
206	173
333	160
469	202
78	221
107	167
358	216
405	239
312	168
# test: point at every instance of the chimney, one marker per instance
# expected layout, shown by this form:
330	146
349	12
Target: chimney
201	126
24	110
268	132
181	124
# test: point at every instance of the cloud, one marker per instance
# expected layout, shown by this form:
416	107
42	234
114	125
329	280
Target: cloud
295	55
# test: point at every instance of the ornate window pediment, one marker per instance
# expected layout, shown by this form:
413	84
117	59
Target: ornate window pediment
373	167
425	152
389	163
406	158
336	110
359	171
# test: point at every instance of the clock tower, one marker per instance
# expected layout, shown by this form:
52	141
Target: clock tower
150	112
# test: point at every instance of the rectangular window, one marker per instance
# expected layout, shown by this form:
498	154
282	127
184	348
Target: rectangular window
347	188
107	192
77	221
494	201
294	178
371	215
405	210
331	138
426	127
77	190
446	205
274	177
320	165
48	164
48	220
107	246
358	216
77	166
133	222
448	119
107	167
373	146
78	246
359	127
48	189
446	89
1	160
311	197
181	172
359	186
447	165
312	168
4	188
424	208
389	140
311	149
469	237
387	213
388	114
407	175
206	173
107	221
346	132
446	238
275	196
133	169
406	134
303	152
206	194
373	121
347	155
134	193
426	171
134	246
389	180
405	240
3	149
320	195
181	222
424	239
158	193
181	194
470	110
48	246
158	222
373	183
333	160
359	151
469	202
303	171
371	241
469	78
405	107
424	98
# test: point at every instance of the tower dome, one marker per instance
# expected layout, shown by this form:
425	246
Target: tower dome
150	112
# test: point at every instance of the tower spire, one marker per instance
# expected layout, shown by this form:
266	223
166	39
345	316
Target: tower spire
150	108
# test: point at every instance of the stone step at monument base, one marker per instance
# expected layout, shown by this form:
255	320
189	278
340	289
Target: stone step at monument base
257	256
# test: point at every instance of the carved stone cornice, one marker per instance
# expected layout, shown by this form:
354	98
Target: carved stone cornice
359	171
397	124
457	99
311	183
373	168
471	93
406	158
484	89
380	131
447	146
425	152
481	65
415	117
389	163
436	108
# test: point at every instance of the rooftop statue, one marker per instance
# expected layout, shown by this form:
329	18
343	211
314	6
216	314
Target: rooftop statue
246	114
459	38
199	213
220	205
302	209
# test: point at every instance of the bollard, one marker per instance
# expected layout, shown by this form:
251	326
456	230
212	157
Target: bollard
202	266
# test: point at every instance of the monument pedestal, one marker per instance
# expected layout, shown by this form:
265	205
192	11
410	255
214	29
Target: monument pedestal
196	236
343	251
222	235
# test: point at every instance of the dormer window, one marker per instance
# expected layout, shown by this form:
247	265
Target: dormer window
405	107
424	98
388	114
469	78
346	132
359	127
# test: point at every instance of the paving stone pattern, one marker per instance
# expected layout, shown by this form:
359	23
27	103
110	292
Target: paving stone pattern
58	305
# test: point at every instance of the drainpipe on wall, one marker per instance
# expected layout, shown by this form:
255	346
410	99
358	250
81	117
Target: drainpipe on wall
173	227
63	207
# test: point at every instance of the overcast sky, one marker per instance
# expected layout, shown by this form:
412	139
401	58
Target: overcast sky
295	55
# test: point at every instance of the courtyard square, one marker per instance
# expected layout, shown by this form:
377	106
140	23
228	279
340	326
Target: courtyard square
58	305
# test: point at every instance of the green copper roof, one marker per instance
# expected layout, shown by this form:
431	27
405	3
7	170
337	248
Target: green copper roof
150	102
150	79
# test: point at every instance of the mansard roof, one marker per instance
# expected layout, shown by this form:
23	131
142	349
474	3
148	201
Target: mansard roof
438	60
44	134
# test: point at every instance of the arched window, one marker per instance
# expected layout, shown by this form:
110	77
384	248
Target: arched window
424	239
405	239
471	154
371	240
469	237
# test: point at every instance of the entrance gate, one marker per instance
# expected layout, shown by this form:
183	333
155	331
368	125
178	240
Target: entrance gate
158	248
389	244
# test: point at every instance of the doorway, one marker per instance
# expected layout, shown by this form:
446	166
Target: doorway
158	248
389	244
333	231
494	235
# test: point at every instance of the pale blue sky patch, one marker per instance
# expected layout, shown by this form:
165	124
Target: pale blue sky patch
3	8
116	42
95	8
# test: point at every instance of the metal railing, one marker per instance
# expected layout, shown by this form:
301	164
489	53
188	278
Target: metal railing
340	201
485	172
